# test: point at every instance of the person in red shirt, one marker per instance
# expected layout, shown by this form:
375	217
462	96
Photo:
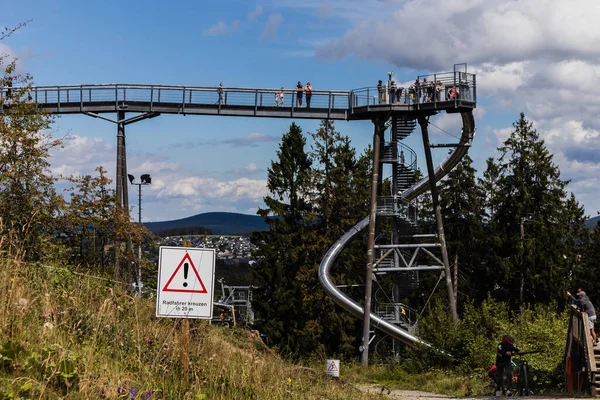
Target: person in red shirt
308	93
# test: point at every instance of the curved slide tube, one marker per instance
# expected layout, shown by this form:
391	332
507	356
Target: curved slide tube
468	132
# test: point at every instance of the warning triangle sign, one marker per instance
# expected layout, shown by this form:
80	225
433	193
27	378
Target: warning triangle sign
186	279
332	366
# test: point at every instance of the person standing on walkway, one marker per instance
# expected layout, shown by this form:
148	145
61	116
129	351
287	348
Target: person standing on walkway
308	93
585	305
380	91
299	91
220	92
392	91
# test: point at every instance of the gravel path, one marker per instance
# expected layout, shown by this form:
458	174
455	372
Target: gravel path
401	394
416	395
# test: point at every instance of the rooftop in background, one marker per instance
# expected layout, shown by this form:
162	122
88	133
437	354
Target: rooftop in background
447	91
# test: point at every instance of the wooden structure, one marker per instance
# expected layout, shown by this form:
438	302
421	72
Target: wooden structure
581	356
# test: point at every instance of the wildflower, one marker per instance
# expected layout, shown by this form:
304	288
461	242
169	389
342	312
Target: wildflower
147	395
133	392
120	389
289	380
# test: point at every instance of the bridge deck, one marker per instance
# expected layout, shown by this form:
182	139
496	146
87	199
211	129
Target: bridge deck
325	104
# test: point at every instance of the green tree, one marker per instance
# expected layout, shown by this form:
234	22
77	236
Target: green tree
340	200
529	213
28	201
278	302
586	265
330	189
462	204
92	223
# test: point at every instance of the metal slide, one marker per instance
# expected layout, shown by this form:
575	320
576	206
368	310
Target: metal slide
468	132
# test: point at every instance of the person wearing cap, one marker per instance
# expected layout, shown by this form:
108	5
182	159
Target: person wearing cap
585	305
506	349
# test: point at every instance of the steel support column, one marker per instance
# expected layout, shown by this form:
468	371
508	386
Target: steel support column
377	139
423	122
122	192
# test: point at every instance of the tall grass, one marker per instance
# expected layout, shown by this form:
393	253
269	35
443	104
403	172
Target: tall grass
68	336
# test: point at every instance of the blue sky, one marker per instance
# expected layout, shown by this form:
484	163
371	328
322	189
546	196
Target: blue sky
201	164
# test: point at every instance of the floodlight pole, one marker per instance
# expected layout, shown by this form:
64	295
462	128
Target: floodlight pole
139	277
139	273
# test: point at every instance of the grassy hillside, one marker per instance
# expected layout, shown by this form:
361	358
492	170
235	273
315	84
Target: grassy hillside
71	336
220	223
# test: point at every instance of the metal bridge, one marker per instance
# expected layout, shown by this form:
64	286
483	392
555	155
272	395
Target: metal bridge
153	100
393	109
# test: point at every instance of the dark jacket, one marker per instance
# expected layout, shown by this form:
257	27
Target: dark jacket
503	348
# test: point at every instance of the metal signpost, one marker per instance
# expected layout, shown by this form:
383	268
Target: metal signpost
186	277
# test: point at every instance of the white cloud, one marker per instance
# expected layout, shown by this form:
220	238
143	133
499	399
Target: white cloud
221	28
80	155
182	196
270	31
8	55
478	31
536	56
257	12
252	139
202	187
502	133
248	169
153	167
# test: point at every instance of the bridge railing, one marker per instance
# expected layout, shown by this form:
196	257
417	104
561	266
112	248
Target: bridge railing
184	96
429	90
444	90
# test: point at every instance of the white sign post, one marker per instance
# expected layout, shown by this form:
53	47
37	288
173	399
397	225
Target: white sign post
333	368
186	279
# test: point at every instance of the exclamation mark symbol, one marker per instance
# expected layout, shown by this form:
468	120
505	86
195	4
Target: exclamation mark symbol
186	266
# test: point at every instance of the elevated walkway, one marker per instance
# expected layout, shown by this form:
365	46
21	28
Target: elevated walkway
582	358
360	104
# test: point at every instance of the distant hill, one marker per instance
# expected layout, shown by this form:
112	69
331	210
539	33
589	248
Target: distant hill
591	223
220	223
223	223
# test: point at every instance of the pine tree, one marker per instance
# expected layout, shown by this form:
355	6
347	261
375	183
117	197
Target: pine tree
278	302
341	182
527	213
586	267
462	204
331	197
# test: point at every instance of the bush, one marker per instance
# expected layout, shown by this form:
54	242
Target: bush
469	348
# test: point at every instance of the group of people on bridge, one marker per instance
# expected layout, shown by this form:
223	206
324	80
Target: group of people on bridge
418	92
302	91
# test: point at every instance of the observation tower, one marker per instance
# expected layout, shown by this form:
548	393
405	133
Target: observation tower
395	259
